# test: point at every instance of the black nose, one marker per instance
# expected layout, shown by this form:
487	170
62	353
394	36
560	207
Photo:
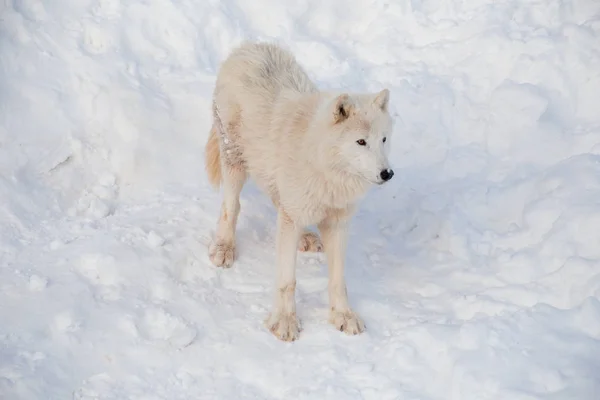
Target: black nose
386	174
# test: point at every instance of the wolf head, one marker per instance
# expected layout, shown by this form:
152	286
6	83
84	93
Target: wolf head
362	129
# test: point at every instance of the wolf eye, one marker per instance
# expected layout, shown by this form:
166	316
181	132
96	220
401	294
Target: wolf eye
384	139
361	142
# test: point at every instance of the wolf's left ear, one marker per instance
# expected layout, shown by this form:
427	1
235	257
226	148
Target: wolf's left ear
382	99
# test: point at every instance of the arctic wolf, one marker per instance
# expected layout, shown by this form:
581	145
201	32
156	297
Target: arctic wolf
313	153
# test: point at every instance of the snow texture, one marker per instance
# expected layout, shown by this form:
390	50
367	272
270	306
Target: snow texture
476	269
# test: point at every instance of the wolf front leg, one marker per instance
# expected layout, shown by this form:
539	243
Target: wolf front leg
334	230
282	321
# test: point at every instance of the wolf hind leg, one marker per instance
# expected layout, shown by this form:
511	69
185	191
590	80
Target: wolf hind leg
222	249
310	242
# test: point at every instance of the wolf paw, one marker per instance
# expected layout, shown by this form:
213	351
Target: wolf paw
284	326
310	242
347	322
221	254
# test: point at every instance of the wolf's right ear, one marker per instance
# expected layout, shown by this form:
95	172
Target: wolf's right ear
342	108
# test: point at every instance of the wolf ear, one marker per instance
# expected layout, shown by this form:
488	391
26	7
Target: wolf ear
342	108
382	99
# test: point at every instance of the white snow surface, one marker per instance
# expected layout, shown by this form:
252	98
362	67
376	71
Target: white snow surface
476	269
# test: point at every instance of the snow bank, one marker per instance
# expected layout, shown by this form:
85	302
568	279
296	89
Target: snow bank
476	270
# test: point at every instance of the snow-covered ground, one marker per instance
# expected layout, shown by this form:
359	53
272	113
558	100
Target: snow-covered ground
476	269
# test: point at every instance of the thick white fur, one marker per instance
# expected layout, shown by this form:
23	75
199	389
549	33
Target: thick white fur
271	123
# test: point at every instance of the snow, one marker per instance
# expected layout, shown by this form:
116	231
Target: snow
476	269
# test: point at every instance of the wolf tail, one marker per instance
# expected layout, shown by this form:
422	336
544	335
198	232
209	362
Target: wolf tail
212	157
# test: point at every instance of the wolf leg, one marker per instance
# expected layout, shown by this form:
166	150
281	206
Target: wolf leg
334	234
310	242
282	321
222	249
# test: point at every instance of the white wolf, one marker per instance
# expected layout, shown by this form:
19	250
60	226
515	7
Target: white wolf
314	153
